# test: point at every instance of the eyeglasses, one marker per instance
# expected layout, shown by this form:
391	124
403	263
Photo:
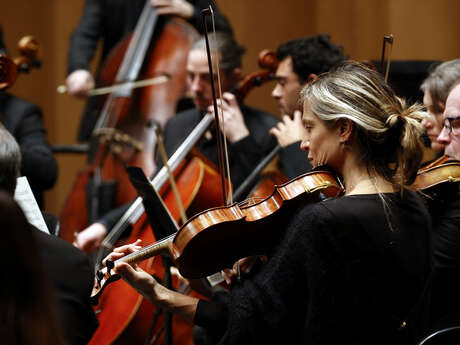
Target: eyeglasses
452	124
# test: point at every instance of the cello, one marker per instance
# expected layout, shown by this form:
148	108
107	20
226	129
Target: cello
125	130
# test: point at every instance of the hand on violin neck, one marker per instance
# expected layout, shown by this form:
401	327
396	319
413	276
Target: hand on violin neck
233	124
179	8
79	82
289	131
149	287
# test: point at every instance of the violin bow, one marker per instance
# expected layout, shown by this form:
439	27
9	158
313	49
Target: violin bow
387	40
172	180
224	167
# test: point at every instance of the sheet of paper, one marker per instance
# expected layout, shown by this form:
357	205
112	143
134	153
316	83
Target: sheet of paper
26	200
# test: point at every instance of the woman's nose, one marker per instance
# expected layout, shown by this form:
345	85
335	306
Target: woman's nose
305	145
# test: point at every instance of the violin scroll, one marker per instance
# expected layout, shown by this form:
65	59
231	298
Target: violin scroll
267	60
28	47
9	68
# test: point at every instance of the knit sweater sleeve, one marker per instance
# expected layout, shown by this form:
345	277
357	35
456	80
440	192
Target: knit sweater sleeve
281	286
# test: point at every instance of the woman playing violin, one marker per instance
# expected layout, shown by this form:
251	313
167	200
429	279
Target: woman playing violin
349	270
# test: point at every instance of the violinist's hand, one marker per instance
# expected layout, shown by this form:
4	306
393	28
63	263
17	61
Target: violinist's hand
91	238
179	8
234	125
289	131
240	268
152	290
79	82
132	273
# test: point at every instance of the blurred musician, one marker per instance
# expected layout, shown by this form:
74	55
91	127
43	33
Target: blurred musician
300	62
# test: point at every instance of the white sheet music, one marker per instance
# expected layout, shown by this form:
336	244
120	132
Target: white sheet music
26	200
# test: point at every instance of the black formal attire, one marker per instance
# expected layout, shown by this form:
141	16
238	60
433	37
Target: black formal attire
293	161
244	155
111	20
71	276
339	275
24	121
445	210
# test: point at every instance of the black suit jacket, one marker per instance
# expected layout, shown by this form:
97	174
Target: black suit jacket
24	121
71	276
244	155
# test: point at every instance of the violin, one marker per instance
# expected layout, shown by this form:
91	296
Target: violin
214	239
9	67
438	173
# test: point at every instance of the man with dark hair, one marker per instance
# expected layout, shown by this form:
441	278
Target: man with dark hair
67	268
300	62
24	121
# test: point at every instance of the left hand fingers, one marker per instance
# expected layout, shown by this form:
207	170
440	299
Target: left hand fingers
230	98
286	119
158	3
122	251
298	116
280	126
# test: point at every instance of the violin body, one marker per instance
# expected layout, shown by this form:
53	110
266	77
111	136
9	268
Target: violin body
437	174
216	238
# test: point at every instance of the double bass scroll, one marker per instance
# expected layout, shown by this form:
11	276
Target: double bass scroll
10	67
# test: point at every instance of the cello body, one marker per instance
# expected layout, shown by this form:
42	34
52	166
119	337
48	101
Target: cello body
125	317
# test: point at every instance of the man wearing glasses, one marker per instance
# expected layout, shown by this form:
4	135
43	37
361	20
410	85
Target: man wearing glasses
445	210
450	134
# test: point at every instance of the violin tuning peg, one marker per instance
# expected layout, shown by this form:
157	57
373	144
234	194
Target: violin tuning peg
110	265
99	276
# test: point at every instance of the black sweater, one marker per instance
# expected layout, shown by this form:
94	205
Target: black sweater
340	275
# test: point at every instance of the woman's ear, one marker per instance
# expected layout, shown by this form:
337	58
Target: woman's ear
345	129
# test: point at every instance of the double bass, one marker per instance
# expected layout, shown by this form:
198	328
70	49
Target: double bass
125	131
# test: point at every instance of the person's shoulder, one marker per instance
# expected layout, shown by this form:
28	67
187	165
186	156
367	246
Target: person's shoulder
16	106
56	247
315	213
